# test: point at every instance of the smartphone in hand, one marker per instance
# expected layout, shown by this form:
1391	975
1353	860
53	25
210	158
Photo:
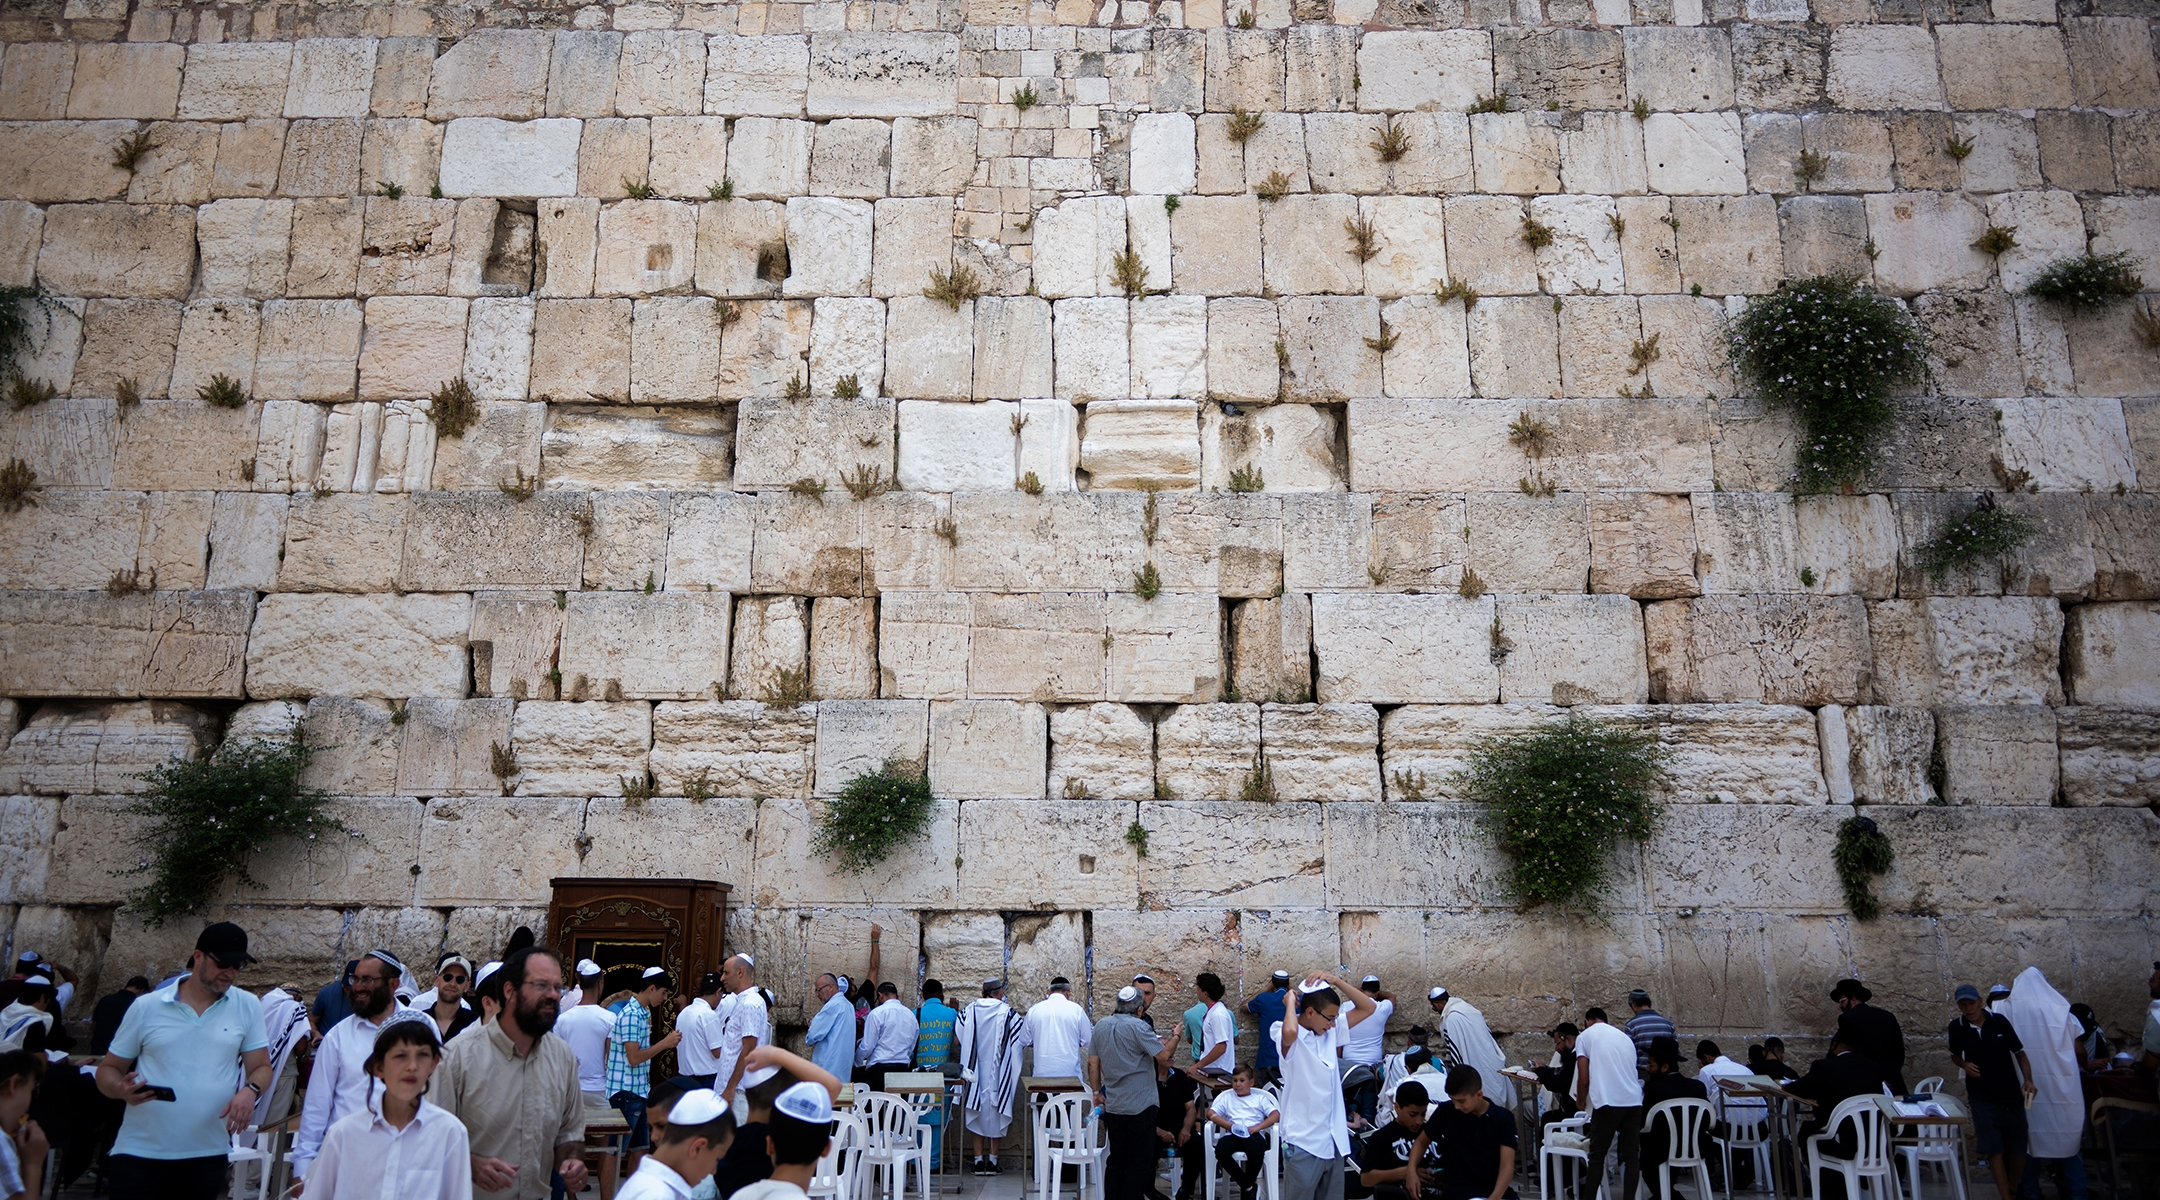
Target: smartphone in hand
160	1093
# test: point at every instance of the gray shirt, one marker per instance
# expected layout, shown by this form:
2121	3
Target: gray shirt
1127	1048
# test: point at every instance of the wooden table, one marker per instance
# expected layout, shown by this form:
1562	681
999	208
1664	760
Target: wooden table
1779	1102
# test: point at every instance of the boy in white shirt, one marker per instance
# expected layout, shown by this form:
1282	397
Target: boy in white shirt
1316	1137
1244	1115
801	1130
699	1128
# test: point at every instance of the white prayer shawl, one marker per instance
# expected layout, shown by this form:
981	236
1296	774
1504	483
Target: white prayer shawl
2043	1022
989	1034
1465	1040
286	1020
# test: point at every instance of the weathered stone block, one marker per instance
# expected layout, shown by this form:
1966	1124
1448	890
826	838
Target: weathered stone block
388	646
1516	153
1729	245
1515	347
779	442
1405	649
1781	764
1850	543
885	74
1680	69
1134	443
987	749
1326	752
1924	240
1074	245
1422	72
235	81
2105	652
764	76
118	250
733	748
665	646
2109	756
1880	67
1048	646
856	736
1972	650
492	73
484	156
1570	650
1998	755
138	81
450	745
566	749
1769	650
1694	154
1167	650
78	748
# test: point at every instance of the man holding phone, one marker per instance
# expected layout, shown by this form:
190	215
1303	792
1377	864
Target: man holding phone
173	1061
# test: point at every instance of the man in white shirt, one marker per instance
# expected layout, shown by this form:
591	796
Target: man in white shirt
585	1026
742	1028
1367	1047
1059	1030
693	1055
1215	1054
1612	1091
888	1039
340	1082
1315	1132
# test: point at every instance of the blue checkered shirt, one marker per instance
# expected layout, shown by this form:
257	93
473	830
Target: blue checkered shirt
633	1027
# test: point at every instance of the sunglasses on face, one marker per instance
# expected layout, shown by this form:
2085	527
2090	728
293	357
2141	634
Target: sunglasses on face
456	978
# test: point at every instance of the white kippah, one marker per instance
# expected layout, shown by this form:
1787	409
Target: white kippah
744	955
1283	975
696	1107
1318	985
805	1102
586	966
652	971
38	981
481	976
1436	993
1128	993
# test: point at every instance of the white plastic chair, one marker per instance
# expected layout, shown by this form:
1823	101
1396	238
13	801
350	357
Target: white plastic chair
1565	1139
263	1154
839	1173
1747	1131
1871	1150
1065	1135
1929	1086
1936	1144
1687	1123
1270	1178
896	1140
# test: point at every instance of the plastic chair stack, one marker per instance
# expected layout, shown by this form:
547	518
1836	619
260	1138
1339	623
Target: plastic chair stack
896	1140
1687	1125
1065	1135
1871	1154
839	1173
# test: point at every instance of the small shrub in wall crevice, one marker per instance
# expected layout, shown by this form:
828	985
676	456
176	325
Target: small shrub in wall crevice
1862	852
875	814
1559	800
2088	282
1831	351
1985	532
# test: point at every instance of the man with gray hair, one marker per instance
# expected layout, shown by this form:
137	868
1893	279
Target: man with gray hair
340	1083
1124	1057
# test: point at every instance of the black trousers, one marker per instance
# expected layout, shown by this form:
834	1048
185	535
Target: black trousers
132	1178
1254	1148
1133	1149
1626	1124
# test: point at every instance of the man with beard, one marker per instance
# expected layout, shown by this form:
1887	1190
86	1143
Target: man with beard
340	1083
515	1088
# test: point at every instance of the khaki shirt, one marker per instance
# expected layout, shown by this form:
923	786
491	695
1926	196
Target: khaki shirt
515	1109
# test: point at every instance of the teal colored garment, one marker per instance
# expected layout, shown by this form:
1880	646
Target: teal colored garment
1193	1018
198	1058
832	1037
934	1033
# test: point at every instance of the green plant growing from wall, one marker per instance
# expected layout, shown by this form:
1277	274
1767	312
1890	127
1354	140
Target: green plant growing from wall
1560	799
205	821
866	480
1147	581
223	391
127	394
1031	483
954	288
1259	786
723	190
1537	233
2088	282
18	485
1956	147
1862	852
1831	351
847	387
1393	145
453	409
1026	98
1248	479
637	189
1364	238
1996	240
1274	187
1131	273
127	153
1813	165
521	489
809	489
875	814
26	392
1457	288
388	190
786	687
1640	108
1242	125
1495	103
1986	532
1136	837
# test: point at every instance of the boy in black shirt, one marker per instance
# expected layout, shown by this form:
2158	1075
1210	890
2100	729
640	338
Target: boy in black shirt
1385	1165
1476	1139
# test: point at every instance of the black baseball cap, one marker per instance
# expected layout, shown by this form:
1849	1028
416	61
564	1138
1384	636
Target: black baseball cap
226	943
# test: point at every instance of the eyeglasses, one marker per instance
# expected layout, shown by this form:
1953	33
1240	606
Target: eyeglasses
457	979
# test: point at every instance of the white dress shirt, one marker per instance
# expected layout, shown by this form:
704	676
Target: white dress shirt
1613	1082
693	1054
364	1157
1059	1030
339	1087
1725	1067
655	1180
742	1016
888	1035
1218	1027
1312	1103
586	1028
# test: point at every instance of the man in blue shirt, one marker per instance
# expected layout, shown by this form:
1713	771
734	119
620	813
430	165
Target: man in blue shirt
173	1062
832	1030
1269	1006
934	1023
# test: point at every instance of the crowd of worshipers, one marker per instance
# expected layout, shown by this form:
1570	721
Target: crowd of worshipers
484	1084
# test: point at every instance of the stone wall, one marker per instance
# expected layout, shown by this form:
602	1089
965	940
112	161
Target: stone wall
679	254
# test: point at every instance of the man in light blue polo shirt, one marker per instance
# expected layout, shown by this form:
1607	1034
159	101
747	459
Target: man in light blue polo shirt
191	1059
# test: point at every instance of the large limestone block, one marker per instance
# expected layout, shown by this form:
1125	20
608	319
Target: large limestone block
2108	652
858	736
2123	547
484	156
1074	245
1925	240
1515	347
828	247
1244	70
911	239
162	644
1422	543
235	81
1424	72
757	76
331	77
69	443
933	156
1642	545
1998	755
56	161
1748	543
1515	153
118	250
772	637
770	158
217	337
515	636
343	543
843	647
409	345
884	74
1391	649
1460	869
1694	154
77	748
954	447
450	746
74	538
1092	353
1732	753
733	748
465	541
1332	344
1969	650
1166	650
1767	650
1215	245
662	646
1585	252
1291	446
600	449
139	81
1327	542
923	644
247	534
1877	754
1679	69
2066	443
1164	160
929	349
1012	347
1425	745
406	246
308	349
492	73
847	338
1879	67
788	866
1304	248
389	646
29	826
1169	347
249	154
2005	66
567	749
185	445
1078	855
1049	646
674	350
781	441
1139	443
1203	852
804	546
1451	445
2110	756
646	247
1850	543
1431	356
689	154
1010	542
1101	751
988	749
1242	360
661	73
1520	543
767	349
1327	752
1571	650
851	158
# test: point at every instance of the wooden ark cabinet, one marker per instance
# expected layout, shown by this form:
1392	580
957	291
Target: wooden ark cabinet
627	925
